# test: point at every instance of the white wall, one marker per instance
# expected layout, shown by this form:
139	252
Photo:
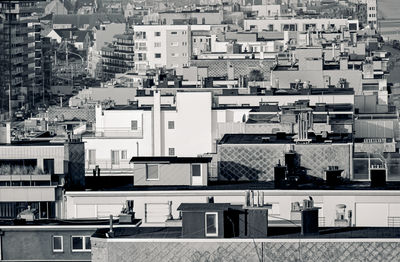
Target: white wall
282	199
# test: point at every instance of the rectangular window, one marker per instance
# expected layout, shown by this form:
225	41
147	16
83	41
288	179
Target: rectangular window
196	170
134	125
124	154
58	244
152	172
174	54
92	156
157	44
171	124
174	44
114	157
80	243
174	33
157	33
171	151
211	224
48	166
157	55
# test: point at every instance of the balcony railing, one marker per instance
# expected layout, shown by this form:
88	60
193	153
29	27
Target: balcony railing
107	165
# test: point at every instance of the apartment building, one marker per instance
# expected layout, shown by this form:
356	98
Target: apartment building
34	173
372	13
18	53
118	57
299	24
153	130
161	46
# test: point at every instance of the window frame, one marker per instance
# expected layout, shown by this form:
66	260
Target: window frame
216	224
191	169
62	244
124	152
116	159
157	55
172	127
137	125
171	149
84	249
158	173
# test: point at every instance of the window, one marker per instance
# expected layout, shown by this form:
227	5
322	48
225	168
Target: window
157	55
48	166
58	244
157	44
184	54
152	172
114	157
174	44
174	33
194	40
157	33
174	54
171	124
196	170
171	151
81	243
211	224
134	125
124	154
92	156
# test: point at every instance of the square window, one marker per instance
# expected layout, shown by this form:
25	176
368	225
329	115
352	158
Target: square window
77	243
157	33
171	124
196	170
58	244
157	55
134	125
171	151
152	172
211	224
124	154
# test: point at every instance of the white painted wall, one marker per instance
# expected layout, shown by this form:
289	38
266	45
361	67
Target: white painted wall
387	203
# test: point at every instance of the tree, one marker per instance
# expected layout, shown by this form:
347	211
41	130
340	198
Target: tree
256	75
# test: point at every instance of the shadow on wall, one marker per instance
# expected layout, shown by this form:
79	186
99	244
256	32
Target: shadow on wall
229	170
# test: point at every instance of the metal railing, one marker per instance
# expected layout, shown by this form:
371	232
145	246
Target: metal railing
393	221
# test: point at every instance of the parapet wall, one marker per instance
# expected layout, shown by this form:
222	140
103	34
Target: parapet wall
271	250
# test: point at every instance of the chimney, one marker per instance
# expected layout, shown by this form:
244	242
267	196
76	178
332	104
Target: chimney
5	133
157	123
111	230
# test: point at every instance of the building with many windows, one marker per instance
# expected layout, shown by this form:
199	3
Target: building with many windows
118	57
161	46
17	54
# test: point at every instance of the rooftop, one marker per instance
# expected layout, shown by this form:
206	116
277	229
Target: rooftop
170	159
282	138
273	232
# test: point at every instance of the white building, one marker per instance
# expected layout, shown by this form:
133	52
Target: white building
126	131
161	45
293	24
372	13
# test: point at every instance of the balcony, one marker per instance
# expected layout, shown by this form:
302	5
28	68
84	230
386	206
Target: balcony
108	167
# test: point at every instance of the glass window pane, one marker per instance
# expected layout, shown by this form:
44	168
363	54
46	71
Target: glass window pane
211	224
77	243
57	245
361	169
134	125
87	243
196	170
92	156
152	171
114	157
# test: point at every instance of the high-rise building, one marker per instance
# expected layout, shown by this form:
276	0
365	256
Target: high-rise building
119	56
17	54
372	13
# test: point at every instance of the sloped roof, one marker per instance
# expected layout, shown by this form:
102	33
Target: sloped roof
92	19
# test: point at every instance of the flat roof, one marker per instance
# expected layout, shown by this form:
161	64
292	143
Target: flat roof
273	232
170	159
282	138
54	223
204	206
249	185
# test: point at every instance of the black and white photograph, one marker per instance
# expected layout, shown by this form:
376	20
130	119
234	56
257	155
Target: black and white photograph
200	130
